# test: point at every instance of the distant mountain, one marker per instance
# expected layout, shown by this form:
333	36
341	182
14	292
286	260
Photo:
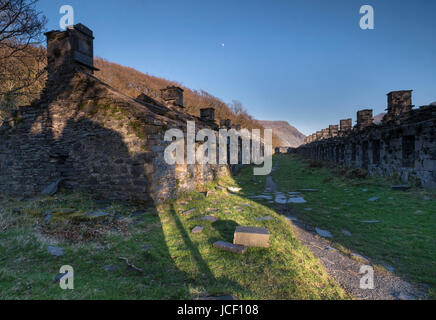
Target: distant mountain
378	118
289	135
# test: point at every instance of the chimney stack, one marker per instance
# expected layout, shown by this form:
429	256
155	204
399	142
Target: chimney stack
346	126
173	96
207	114
364	118
333	131
70	51
398	102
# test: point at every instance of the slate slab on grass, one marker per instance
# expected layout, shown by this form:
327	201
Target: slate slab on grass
188	211
230	247
55	251
97	214
209	218
323	233
197	229
280	198
297	200
401	188
110	268
245	204
373	199
347	233
308	190
264	218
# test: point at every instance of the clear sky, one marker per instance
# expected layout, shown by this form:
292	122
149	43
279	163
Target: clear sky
303	61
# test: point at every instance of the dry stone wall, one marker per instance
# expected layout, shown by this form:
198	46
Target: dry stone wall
403	145
87	136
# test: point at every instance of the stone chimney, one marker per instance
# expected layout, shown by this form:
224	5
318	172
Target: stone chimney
226	124
173	96
325	133
398	102
207	114
313	137
346	126
333	130
318	135
364	118
70	51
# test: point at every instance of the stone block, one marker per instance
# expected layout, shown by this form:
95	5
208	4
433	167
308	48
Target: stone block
401	188
251	237
227	246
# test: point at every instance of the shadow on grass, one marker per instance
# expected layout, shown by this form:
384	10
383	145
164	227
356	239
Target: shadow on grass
208	279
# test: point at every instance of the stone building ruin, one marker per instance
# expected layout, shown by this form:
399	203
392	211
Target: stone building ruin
403	145
88	136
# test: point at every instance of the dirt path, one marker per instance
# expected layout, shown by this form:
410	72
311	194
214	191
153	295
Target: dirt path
343	268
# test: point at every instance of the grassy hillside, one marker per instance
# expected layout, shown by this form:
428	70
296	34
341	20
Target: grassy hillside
132	83
288	134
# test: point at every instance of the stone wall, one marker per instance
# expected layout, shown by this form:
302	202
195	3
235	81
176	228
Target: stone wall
91	137
404	145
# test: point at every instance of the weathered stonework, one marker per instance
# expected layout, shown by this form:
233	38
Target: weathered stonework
94	138
364	119
404	145
173	95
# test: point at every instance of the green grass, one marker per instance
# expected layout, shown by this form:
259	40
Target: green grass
405	236
179	264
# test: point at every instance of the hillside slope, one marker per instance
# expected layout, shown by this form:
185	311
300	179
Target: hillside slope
378	118
288	134
131	82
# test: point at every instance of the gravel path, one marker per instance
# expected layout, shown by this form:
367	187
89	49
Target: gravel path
344	269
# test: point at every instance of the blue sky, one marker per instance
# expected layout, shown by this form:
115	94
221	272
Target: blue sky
303	61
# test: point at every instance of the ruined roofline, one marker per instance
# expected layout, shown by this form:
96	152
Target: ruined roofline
414	121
